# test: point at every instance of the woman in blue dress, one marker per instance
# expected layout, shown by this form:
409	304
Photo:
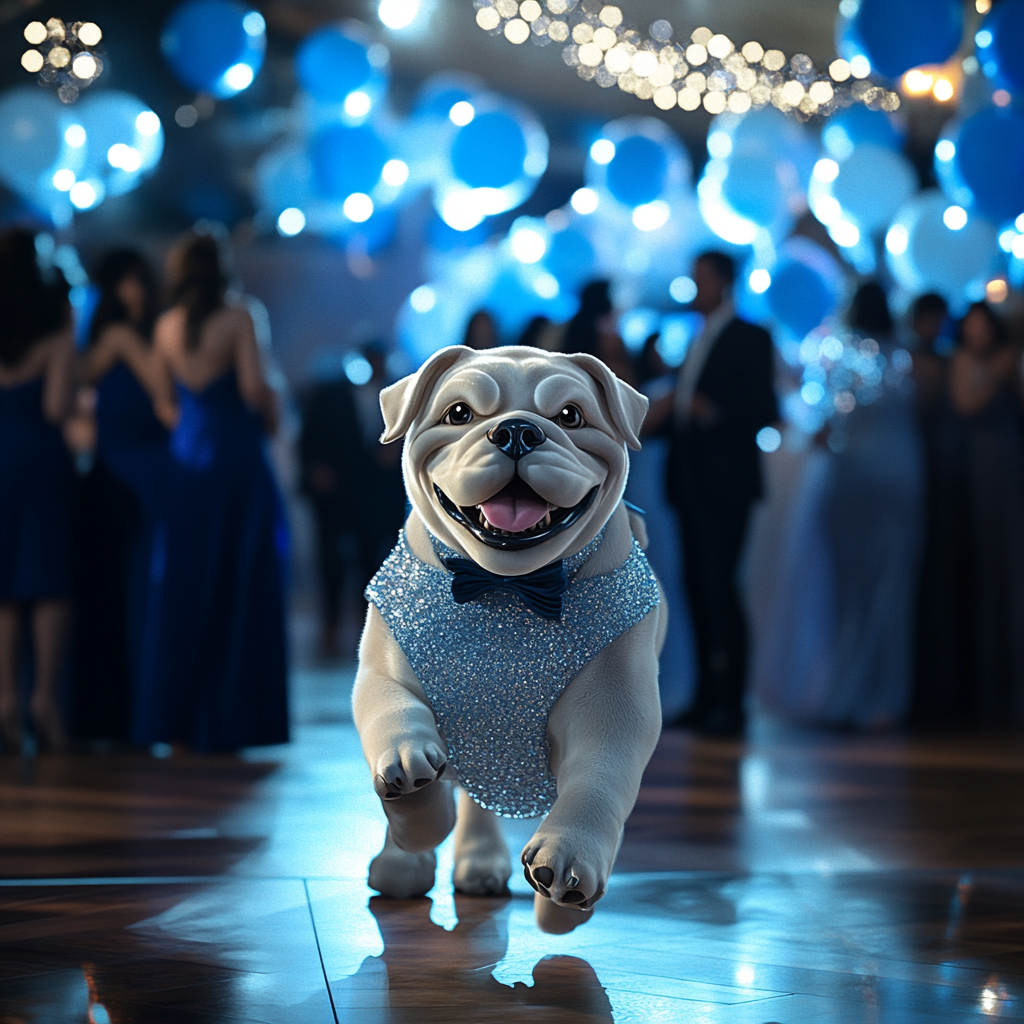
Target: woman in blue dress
36	484
875	518
119	500
215	676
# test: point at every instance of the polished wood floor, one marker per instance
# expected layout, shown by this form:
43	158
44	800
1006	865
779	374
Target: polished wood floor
797	879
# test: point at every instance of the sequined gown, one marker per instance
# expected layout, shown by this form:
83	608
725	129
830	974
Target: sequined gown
215	672
36	499
875	519
120	516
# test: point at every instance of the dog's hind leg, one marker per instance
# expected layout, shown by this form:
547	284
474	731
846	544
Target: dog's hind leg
402	875
482	862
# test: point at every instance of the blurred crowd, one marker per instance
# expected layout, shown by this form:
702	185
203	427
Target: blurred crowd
141	529
866	575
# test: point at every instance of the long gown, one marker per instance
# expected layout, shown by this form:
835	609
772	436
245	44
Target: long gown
875	517
215	671
120	515
677	675
792	665
36	500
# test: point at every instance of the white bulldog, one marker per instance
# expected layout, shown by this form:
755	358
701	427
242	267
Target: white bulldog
511	644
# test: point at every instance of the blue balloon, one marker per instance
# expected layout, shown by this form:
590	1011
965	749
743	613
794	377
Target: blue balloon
441	92
31	127
513	301
925	254
753	189
346	159
800	296
446	239
124	138
1000	45
284	178
215	46
331	63
571	258
988	163
872	184
638	172
489	152
848	128
761	180
898	35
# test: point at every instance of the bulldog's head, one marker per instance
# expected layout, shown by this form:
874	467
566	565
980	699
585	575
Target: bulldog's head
514	457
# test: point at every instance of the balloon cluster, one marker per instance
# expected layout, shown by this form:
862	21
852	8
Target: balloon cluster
62	159
635	221
350	162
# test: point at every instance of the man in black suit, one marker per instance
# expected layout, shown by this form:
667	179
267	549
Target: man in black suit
724	396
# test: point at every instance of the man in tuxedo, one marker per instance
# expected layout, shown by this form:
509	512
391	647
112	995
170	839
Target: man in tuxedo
724	396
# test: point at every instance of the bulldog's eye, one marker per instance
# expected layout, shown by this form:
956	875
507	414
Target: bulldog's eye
458	415
570	418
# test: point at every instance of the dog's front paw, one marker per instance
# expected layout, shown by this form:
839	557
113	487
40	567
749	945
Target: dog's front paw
568	867
407	768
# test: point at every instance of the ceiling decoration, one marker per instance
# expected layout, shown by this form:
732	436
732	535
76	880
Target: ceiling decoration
706	71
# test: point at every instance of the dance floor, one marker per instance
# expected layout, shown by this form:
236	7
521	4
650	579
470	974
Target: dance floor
797	879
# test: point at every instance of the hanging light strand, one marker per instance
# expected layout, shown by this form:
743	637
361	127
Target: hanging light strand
709	71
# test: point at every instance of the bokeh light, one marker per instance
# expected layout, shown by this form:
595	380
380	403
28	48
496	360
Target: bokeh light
291	221
398	14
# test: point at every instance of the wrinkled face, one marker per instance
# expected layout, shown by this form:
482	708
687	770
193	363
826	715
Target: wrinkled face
515	458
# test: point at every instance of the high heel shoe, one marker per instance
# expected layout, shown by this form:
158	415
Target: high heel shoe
49	725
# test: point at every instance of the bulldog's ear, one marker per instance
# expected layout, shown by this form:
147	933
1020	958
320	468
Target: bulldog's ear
625	404
401	402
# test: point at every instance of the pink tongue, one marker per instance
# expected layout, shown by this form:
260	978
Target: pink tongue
515	509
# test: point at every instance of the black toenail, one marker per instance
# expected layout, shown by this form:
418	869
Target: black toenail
573	896
544	875
526	872
440	771
420	783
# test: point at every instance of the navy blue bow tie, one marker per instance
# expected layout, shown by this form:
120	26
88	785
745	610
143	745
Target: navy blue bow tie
541	589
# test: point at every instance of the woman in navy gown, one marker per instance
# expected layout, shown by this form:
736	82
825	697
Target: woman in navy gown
36	484
215	676
120	509
985	389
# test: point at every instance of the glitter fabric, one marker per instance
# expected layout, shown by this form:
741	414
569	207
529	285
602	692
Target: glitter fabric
493	669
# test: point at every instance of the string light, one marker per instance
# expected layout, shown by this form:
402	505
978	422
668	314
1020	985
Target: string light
64	54
706	71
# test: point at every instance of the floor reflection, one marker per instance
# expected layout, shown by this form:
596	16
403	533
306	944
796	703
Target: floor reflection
798	878
456	967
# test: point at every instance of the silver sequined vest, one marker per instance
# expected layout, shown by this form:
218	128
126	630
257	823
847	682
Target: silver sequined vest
493	669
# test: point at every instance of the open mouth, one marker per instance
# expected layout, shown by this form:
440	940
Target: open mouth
516	517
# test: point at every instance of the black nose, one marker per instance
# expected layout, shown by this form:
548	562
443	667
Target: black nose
516	438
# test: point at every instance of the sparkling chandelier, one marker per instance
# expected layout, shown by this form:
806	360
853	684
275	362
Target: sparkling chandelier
64	54
709	71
